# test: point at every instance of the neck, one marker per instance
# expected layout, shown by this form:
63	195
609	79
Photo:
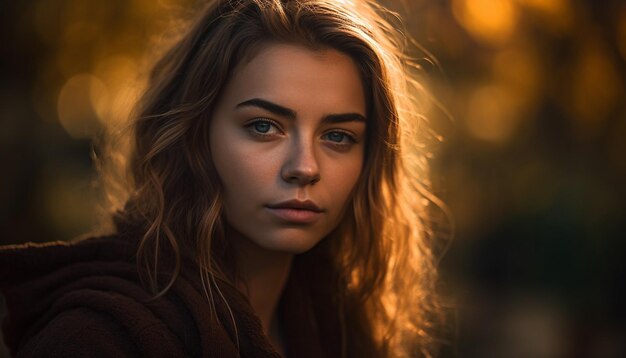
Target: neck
262	276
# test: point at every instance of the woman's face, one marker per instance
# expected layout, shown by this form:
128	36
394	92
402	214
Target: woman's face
287	140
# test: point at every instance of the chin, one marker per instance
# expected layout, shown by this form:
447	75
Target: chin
291	240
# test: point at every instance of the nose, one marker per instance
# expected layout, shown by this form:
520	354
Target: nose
301	166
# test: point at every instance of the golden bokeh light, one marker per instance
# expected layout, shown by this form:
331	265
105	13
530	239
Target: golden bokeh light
528	94
492	113
76	108
595	87
491	22
553	7
519	68
122	76
555	15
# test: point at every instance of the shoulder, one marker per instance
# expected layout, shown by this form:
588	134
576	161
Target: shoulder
86	331
84	299
80	332
32	260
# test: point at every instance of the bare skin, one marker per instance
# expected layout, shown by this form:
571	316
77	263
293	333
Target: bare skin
287	140
263	278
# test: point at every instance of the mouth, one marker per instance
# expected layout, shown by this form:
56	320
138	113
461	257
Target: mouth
296	211
297	205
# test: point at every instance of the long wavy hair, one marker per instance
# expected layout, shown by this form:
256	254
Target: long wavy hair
379	260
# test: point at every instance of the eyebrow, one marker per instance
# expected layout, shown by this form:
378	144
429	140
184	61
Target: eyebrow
291	114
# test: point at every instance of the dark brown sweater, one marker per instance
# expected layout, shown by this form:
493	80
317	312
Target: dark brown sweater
86	299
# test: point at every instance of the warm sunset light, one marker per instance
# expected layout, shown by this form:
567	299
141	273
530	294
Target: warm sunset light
122	76
489	21
520	111
78	104
556	15
596	89
492	114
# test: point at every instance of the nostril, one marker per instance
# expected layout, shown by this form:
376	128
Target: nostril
301	167
303	178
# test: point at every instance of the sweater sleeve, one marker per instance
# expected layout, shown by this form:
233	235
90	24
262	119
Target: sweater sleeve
80	332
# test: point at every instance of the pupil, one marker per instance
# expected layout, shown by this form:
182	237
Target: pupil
262	127
337	137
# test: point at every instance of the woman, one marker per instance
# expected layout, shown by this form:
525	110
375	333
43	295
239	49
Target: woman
274	206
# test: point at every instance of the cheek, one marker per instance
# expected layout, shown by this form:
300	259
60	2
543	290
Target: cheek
342	177
243	170
240	170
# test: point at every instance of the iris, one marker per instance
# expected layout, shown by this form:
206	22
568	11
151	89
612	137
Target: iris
262	127
336	136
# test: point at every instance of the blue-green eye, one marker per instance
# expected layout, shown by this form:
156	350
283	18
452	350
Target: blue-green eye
262	127
339	137
336	136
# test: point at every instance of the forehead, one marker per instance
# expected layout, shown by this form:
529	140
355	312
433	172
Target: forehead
300	78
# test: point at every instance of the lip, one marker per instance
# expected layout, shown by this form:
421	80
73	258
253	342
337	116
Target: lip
296	211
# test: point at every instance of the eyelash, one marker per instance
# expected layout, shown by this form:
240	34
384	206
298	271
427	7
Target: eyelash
250	126
351	138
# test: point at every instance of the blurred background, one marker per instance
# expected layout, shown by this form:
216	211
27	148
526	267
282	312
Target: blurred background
532	162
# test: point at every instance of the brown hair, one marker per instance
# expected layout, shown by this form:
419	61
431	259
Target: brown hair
379	258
